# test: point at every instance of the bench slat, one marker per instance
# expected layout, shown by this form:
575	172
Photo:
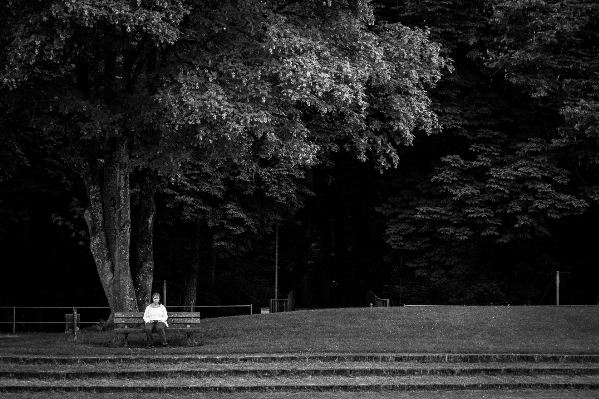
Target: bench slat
131	322
183	314
171	323
173	318
128	314
135	330
180	320
140	314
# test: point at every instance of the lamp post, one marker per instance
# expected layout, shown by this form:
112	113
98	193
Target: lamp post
277	261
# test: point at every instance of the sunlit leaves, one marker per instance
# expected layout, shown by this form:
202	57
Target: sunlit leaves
160	19
295	77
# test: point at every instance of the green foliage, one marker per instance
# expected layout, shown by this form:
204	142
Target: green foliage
491	200
240	202
507	191
293	77
283	80
226	101
550	52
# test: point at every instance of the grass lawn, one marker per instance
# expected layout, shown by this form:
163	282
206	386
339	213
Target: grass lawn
445	329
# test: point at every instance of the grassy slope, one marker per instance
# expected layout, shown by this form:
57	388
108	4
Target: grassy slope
381	330
520	394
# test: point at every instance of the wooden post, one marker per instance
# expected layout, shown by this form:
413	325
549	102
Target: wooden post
164	292
14	319
74	324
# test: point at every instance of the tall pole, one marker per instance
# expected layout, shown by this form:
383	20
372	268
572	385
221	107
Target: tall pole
400	266
277	261
164	292
557	288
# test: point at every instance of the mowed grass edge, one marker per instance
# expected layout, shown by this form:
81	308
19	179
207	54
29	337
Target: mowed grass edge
429	329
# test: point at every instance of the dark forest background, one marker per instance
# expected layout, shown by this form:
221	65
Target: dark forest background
484	211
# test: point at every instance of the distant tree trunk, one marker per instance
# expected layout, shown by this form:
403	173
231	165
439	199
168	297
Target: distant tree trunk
342	272
108	218
305	244
328	238
26	223
212	258
193	268
144	233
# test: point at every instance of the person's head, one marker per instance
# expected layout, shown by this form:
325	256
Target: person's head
156	298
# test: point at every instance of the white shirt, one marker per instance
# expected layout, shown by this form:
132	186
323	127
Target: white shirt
156	314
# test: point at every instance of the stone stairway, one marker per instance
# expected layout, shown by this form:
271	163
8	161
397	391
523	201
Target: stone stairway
295	372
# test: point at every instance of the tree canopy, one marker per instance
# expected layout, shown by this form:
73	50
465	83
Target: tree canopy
137	90
183	131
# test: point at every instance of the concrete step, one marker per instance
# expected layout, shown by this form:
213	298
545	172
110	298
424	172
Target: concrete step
299	369
162	372
300	384
161	355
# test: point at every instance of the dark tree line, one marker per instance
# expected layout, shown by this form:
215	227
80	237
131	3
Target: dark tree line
429	151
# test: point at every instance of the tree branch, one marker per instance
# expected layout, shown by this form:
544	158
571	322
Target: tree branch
283	6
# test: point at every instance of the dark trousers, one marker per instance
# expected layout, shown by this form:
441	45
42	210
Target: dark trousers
159	326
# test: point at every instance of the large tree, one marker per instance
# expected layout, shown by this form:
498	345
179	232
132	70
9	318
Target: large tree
142	86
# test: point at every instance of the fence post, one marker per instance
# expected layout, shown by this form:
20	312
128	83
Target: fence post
14	319
74	324
251	309
164	292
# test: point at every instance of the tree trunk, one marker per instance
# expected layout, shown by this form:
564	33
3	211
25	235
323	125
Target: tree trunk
193	268
144	234
108	218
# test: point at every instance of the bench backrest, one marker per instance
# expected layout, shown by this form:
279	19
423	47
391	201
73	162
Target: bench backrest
175	319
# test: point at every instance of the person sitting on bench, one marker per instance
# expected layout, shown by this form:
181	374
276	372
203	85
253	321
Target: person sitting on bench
155	316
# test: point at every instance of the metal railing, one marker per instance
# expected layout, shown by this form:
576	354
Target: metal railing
14	320
11	313
193	309
282	305
374	301
278	305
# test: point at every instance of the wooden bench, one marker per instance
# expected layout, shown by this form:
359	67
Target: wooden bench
132	322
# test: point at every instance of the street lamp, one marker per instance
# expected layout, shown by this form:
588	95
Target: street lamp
276	261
